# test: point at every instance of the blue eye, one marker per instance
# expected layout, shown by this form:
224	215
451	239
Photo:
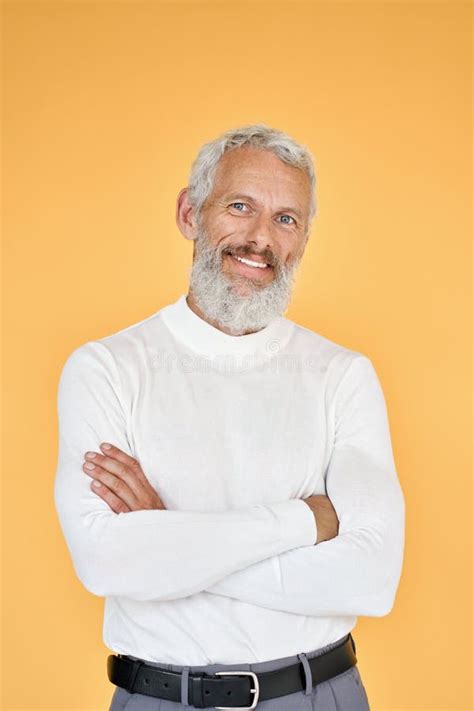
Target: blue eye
291	218
237	203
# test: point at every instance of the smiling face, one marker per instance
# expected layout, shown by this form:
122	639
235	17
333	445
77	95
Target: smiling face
258	211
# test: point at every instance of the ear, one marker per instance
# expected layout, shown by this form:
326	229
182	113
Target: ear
185	215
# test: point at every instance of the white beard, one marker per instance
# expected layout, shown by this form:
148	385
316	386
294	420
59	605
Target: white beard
237	303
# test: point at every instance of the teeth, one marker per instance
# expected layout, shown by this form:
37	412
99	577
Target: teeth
261	265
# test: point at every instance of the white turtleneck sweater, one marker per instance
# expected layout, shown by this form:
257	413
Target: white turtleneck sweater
233	432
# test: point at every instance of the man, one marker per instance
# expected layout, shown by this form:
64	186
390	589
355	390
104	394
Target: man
225	476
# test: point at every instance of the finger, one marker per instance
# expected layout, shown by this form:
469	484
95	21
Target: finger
117	485
109	450
116	504
116	468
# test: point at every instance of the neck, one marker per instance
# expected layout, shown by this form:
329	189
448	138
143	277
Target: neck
192	305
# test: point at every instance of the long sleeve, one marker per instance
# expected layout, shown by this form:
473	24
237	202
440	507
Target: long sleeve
148	554
358	571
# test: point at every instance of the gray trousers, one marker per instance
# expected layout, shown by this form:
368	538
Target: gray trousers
344	692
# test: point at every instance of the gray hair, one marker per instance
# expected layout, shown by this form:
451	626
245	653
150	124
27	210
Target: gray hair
258	135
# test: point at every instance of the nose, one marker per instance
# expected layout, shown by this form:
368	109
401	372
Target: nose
260	233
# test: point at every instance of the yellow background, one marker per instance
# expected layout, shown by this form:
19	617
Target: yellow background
105	107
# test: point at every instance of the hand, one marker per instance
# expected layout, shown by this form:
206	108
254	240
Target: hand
327	522
123	485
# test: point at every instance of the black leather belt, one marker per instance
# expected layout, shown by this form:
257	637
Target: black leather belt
228	689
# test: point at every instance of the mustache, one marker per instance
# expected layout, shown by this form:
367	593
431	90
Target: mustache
213	254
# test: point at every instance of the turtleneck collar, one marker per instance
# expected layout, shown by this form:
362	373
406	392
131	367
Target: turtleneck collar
201	336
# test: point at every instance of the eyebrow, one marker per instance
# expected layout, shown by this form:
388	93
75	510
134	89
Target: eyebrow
232	196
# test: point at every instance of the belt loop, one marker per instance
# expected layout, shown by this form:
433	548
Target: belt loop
307	673
137	663
184	686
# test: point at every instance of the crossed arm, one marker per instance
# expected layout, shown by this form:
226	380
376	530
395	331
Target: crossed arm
263	554
358	571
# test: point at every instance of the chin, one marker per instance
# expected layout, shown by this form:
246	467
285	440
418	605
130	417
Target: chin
245	285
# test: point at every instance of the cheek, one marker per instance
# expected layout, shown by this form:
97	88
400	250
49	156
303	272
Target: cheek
293	250
288	257
226	230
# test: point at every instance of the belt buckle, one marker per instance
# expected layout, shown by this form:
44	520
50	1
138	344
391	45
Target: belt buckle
255	691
